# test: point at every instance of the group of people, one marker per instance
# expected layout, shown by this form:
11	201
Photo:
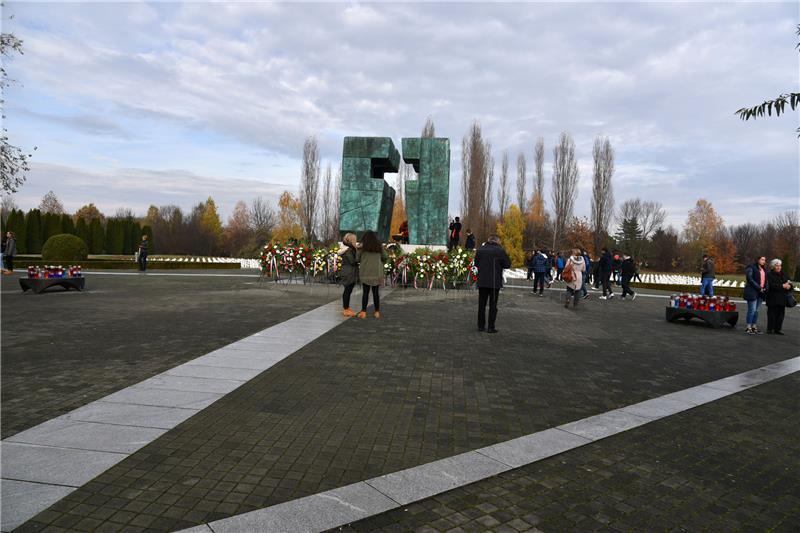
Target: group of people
454	236
772	287
545	268
362	262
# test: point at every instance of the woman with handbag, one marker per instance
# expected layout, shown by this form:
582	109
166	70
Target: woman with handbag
573	274
778	296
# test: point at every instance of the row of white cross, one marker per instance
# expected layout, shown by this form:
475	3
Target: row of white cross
514	273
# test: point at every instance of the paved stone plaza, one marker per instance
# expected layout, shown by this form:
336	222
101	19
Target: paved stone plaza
338	402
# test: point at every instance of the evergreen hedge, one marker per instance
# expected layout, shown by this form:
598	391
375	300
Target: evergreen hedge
64	248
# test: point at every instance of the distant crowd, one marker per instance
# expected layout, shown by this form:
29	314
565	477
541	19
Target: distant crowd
363	262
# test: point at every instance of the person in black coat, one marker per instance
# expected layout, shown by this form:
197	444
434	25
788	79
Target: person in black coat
627	270
606	266
490	259
470	242
777	287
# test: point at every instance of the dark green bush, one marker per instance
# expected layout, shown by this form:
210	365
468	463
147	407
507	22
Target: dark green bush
64	248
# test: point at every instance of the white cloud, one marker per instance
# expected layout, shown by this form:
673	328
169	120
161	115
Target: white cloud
662	80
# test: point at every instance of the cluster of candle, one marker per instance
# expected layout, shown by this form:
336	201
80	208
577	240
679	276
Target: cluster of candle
59	271
702	303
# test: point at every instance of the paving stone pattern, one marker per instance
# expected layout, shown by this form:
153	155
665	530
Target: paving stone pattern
731	465
373	397
62	350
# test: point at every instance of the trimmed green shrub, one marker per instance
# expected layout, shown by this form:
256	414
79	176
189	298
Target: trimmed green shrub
64	248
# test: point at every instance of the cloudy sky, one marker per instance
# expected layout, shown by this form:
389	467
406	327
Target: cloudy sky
132	104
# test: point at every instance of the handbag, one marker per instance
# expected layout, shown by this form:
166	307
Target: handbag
790	301
567	274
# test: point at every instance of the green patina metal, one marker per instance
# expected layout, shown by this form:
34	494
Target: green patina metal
427	198
365	199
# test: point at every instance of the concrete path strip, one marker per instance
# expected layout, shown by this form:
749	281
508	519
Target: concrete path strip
43	464
344	505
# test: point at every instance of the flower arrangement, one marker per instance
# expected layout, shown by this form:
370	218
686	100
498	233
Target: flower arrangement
423	265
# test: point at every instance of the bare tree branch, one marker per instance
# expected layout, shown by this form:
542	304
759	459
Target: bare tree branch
602	190
429	130
503	190
565	183
309	185
521	177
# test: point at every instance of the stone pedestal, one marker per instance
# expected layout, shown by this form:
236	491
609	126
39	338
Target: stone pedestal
365	199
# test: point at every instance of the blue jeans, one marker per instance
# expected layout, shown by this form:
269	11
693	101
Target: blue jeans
707	285
752	311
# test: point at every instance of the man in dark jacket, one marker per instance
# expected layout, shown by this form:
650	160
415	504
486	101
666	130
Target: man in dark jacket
539	266
9	252
627	270
143	254
606	265
707	276
490	259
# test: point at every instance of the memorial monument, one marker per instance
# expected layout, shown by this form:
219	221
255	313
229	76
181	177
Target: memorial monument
365	199
428	196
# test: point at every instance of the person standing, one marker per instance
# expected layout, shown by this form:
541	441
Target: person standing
615	271
470	242
539	265
560	264
142	255
778	286
349	272
755	290
9	253
637	265
576	268
371	272
627	269
455	233
606	265
529	263
586	274
707	276
490	259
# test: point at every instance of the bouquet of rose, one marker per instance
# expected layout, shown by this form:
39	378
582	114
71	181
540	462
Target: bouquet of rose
319	261
460	263
269	258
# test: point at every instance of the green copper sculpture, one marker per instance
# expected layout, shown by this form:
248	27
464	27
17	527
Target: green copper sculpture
365	199
427	197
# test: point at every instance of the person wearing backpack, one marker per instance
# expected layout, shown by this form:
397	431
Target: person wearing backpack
572	274
371	272
349	272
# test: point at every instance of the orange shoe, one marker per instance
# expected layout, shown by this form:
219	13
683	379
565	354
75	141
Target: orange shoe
347	312
362	314
377	314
